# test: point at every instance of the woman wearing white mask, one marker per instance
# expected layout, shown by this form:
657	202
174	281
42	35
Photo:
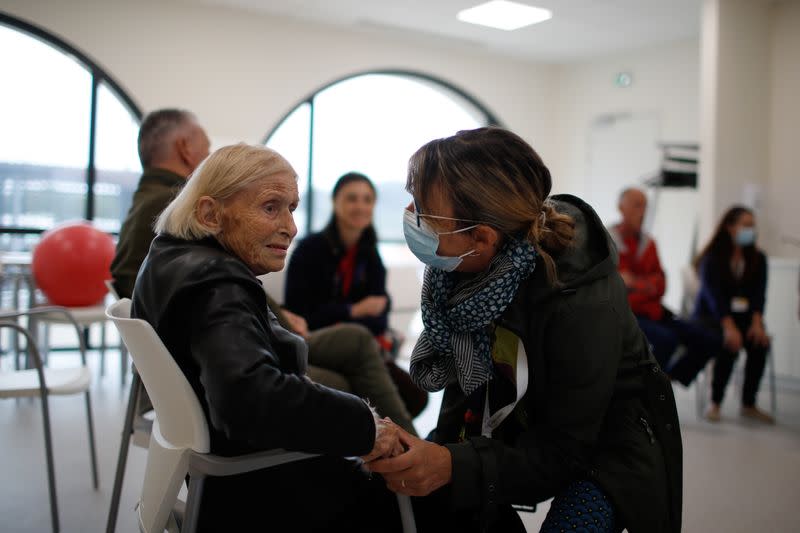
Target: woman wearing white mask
733	286
550	390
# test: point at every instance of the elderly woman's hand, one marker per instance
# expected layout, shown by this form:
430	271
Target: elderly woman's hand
422	469
387	442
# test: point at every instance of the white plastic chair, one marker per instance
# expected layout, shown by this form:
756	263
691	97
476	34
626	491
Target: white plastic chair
86	317
44	382
136	429
179	443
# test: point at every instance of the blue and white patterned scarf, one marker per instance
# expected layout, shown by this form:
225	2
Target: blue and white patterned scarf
455	343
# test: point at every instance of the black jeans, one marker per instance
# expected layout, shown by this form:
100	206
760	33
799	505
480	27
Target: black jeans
753	369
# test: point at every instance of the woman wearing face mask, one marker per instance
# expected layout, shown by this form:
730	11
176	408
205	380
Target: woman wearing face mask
337	276
733	285
550	390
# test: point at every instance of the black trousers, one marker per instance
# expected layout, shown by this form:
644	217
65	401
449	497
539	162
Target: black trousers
753	369
320	494
434	514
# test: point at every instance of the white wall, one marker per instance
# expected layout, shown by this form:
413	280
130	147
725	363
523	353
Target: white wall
780	218
660	105
665	86
736	85
241	71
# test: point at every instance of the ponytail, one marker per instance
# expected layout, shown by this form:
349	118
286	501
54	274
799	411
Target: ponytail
551	233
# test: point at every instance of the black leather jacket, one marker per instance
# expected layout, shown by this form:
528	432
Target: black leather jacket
597	406
248	372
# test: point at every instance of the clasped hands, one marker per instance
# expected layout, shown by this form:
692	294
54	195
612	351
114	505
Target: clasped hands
410	465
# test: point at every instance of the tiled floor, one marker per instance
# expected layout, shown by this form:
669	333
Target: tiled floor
739	476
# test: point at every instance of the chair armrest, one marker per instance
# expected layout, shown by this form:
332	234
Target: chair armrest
45	310
218	466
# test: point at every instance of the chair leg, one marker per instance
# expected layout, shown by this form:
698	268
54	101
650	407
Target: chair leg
773	400
101	352
51	474
196	482
103	340
406	514
123	363
90	431
46	344
127	430
703	389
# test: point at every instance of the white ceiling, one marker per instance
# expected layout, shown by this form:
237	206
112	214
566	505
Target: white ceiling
579	29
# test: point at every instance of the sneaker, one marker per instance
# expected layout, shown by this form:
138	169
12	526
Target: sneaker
713	415
757	414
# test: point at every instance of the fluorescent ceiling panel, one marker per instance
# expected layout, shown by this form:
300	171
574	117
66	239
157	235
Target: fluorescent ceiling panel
504	15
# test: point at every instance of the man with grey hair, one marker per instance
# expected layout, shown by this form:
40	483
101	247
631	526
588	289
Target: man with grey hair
171	145
640	269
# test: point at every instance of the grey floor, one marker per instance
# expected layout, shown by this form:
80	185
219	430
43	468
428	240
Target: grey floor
739	476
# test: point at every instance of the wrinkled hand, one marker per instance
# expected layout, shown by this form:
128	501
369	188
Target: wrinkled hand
757	335
422	469
369	306
297	323
387	442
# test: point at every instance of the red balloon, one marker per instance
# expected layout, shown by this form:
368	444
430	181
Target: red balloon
71	263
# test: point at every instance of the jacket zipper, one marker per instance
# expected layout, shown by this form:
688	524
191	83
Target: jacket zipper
648	430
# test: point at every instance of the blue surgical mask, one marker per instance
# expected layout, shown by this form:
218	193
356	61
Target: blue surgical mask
423	242
746	236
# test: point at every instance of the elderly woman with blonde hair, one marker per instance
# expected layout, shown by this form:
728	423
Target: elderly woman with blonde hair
198	288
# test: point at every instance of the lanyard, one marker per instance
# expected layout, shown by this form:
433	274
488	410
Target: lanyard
491	422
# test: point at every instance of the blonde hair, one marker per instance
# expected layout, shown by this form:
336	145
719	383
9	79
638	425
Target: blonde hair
493	176
221	175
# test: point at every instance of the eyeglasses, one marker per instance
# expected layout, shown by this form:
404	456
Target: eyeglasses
418	214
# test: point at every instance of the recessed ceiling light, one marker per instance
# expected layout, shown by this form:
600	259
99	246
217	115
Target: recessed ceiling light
504	15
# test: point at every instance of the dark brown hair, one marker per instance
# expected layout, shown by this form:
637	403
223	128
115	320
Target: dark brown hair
719	249
493	176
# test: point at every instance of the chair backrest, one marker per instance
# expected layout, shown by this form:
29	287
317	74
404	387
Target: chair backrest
180	417
273	284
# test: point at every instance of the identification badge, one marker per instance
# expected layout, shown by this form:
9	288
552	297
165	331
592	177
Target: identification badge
740	304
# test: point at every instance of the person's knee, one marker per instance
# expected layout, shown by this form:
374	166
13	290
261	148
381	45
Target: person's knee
360	340
328	378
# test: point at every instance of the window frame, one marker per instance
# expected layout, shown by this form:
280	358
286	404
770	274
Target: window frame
98	75
491	120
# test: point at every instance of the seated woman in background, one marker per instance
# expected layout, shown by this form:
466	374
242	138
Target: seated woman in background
347	358
733	286
198	288
337	275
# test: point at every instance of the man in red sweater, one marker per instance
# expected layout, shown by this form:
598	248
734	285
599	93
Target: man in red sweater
641	271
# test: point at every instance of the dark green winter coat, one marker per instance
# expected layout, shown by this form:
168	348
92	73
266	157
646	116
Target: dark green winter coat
597	406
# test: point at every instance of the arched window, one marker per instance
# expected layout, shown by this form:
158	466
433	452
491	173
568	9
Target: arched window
369	123
67	138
